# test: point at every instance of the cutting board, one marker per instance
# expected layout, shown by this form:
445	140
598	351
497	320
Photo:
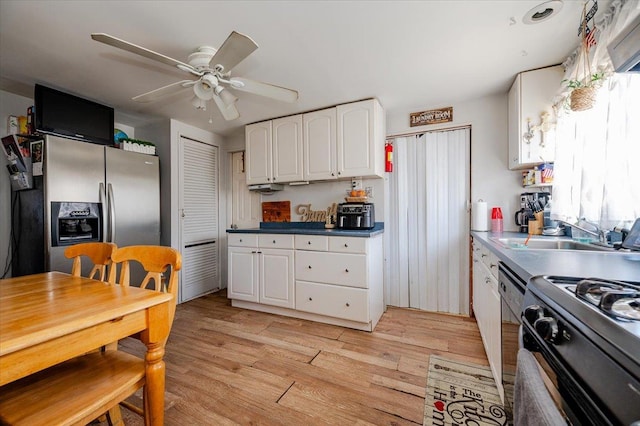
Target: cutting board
276	211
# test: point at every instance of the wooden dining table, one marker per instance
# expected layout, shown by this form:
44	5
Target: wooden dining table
51	317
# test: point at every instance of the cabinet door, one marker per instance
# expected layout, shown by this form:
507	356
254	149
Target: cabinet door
514	124
358	139
287	149
320	145
494	352
258	151
243	274
276	278
532	94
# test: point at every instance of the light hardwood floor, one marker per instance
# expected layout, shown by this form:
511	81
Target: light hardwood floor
232	366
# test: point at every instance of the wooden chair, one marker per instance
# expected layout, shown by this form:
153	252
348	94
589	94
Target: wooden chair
155	260
99	253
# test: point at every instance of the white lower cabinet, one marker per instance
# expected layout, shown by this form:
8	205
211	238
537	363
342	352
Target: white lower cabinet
336	280
487	307
261	273
243	274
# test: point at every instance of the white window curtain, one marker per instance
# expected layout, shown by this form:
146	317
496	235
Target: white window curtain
597	154
597	150
429	222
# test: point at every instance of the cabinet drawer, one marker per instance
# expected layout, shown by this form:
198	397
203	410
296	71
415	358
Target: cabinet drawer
348	244
334	301
275	241
490	260
242	240
312	242
332	268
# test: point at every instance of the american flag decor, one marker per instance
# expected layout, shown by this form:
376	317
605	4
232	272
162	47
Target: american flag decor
590	38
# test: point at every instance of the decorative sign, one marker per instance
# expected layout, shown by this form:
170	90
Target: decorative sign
433	116
308	215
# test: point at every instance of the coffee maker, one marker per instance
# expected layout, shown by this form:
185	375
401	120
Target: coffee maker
529	202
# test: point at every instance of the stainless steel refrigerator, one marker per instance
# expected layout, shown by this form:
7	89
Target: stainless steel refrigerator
88	192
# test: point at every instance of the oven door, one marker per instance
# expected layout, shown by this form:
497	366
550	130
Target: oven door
512	290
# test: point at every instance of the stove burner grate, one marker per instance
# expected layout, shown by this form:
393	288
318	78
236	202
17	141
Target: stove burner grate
619	299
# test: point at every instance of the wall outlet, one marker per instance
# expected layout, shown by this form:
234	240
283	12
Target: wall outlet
369	190
356	183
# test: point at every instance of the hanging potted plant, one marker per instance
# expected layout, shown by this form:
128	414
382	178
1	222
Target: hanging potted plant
584	91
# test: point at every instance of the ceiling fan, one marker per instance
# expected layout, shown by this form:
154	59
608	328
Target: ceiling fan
213	69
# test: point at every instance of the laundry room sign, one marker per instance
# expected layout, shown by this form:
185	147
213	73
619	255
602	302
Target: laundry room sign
433	116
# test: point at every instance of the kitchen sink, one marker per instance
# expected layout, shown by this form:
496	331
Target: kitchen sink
555	244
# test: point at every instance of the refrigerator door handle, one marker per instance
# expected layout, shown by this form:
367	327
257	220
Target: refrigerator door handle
112	215
103	207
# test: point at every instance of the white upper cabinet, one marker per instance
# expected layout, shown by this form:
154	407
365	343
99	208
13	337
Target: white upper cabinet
360	139
340	142
320	145
258	150
532	140
287	149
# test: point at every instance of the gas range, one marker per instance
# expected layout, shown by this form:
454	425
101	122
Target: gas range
588	330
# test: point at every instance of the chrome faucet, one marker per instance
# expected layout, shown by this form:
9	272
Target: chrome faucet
601	234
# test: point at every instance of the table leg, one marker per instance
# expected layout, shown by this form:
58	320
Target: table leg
154	388
155	337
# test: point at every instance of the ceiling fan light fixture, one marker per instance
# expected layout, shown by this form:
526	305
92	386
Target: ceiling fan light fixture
205	86
542	12
199	103
227	97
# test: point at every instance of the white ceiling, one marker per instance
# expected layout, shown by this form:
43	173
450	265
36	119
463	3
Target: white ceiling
408	54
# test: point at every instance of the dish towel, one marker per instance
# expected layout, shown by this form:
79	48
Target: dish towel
532	404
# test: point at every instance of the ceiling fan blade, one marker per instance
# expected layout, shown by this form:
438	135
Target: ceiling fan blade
233	51
138	50
228	112
265	89
171	88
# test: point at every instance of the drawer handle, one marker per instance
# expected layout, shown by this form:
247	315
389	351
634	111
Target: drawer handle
492	265
487	280
310	300
240	239
347	304
309	242
346	270
274	241
346	245
309	266
483	255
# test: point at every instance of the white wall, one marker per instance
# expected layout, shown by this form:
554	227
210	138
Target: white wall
10	104
491	179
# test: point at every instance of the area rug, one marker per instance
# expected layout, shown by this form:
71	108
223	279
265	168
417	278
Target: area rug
461	393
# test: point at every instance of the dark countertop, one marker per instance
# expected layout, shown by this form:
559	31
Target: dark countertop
527	262
309	228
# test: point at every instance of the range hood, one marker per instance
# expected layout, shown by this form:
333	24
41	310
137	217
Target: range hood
266	187
624	50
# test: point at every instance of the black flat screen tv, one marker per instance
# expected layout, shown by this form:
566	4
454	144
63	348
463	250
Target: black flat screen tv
63	114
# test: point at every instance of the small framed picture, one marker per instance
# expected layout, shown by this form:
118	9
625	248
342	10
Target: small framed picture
36	157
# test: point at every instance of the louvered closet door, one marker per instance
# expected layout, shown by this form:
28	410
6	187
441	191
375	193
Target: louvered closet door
199	218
